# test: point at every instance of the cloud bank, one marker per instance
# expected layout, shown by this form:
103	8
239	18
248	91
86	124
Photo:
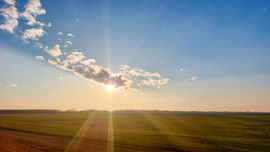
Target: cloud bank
97	74
126	79
75	62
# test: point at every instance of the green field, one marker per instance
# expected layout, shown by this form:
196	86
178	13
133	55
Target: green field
168	132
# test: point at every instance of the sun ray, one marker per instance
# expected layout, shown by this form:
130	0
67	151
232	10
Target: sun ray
110	141
76	140
162	127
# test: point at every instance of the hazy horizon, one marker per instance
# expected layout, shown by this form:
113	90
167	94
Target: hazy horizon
110	55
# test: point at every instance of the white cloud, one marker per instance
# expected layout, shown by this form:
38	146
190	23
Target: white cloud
181	69
154	82
75	57
88	62
10	2
77	20
39	57
32	9
61	78
138	76
62	65
54	52
33	34
0	84
71	35
138	72
97	74
38	45
192	78
59	39
60	33
103	75
68	42
13	85
10	15
261	76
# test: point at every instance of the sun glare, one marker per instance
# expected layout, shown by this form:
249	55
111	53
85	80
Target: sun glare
110	88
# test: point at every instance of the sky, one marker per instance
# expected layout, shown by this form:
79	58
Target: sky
184	55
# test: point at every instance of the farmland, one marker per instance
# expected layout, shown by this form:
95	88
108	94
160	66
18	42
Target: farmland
136	131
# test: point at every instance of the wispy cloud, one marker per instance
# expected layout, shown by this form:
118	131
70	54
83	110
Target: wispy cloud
75	57
154	82
40	57
261	76
138	72
10	2
32	10
71	35
88	62
38	45
61	78
192	79
54	52
13	85
33	34
142	77
60	33
10	15
69	42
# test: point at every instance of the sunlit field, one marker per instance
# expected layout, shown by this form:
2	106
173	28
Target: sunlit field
157	75
137	131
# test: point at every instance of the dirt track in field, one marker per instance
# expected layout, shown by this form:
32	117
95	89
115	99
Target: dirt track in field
252	120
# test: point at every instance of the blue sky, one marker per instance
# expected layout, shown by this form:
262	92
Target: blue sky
169	55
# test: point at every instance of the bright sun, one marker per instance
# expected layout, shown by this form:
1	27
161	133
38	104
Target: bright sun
110	88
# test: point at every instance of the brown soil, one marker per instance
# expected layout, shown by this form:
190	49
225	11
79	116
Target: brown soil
17	141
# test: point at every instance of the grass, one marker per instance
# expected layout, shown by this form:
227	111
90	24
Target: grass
151	131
